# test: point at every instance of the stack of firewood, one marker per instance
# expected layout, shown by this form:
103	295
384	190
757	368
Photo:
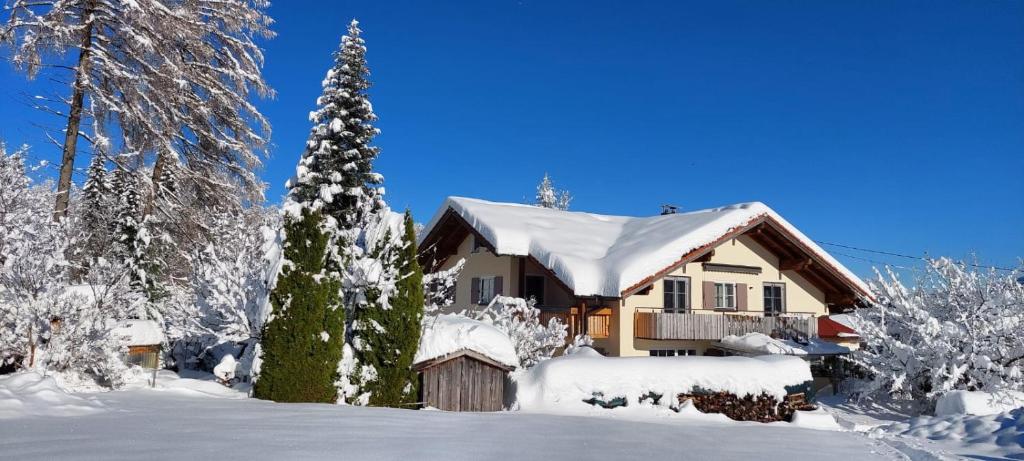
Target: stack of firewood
762	408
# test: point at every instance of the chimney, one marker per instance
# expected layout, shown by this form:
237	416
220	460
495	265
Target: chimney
669	209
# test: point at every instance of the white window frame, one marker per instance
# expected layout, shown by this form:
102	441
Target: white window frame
782	297
724	300
486	290
685	298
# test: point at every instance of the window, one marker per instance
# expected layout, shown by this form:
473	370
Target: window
725	296
486	291
535	288
677	294
478	244
774	299
672	352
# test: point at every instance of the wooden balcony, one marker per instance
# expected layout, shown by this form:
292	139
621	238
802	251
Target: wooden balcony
652	323
598	322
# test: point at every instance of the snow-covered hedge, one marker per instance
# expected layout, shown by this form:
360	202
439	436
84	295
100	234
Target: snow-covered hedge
565	382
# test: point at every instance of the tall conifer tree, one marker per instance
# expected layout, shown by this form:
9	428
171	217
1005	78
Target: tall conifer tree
390	345
302	342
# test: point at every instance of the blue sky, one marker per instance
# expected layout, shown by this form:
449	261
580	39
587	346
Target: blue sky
885	125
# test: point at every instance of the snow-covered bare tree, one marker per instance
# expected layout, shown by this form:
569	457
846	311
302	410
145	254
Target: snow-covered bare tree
439	288
175	77
956	328
548	197
42	325
520	320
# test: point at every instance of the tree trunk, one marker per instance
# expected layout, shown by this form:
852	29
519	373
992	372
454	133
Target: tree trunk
158	171
67	161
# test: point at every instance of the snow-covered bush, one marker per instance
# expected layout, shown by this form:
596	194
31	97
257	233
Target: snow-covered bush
42	324
520	320
957	328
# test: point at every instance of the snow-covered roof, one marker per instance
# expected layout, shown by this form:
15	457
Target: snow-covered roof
449	334
762	344
139	332
606	255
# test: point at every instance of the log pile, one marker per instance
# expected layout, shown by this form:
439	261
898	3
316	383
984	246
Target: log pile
762	408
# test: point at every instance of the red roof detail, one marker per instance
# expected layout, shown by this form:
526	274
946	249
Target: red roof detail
828	328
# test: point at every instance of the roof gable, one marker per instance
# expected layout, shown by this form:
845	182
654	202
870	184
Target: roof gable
599	255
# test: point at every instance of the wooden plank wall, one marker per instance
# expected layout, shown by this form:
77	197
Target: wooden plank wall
656	325
464	384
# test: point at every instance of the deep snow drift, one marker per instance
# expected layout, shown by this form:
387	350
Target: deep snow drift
32	394
177	422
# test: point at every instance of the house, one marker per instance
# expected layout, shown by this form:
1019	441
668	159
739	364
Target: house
463	364
673	284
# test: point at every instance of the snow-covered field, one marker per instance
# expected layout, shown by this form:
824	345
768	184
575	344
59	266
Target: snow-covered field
198	419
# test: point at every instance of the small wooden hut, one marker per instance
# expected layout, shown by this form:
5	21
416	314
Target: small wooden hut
143	339
463	364
463	381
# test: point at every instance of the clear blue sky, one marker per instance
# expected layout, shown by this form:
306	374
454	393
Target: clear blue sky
886	125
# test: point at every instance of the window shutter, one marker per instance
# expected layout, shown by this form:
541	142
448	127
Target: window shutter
474	291
499	285
741	296
709	295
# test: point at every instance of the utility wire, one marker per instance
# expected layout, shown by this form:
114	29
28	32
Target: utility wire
888	253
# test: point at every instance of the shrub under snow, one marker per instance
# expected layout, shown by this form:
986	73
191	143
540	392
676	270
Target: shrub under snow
565	382
520	320
956	329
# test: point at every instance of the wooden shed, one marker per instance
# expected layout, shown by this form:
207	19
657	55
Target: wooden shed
142	338
463	381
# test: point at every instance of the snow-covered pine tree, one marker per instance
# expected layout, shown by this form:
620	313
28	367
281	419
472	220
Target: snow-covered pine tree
302	342
391	335
548	197
336	173
132	239
95	217
169	74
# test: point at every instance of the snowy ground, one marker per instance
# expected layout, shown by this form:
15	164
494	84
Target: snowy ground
929	438
189	419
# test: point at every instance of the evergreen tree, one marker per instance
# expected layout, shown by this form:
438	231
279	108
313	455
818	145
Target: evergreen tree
96	217
335	173
303	340
548	197
389	345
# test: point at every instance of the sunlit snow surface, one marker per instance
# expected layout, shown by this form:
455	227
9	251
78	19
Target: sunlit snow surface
193	419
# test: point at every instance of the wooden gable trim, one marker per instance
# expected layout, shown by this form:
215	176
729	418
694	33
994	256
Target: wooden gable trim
832	289
692	255
460	353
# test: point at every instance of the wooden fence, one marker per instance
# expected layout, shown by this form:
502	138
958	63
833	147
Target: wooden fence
655	324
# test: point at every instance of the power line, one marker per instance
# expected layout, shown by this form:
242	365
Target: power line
899	255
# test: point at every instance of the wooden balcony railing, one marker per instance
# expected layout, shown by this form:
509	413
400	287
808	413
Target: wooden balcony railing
598	325
655	323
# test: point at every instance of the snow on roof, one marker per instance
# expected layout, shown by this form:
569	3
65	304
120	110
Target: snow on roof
605	255
447	334
139	332
760	343
566	381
